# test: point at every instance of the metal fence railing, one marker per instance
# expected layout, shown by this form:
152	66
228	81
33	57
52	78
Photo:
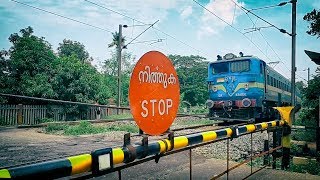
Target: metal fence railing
11	115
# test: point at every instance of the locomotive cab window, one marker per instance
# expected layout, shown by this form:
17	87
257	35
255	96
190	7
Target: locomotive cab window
240	66
218	68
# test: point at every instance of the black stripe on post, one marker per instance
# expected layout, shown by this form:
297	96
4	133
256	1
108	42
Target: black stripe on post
153	148
242	129
221	133
47	170
194	139
258	126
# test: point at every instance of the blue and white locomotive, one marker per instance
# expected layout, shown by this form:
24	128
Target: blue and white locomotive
245	88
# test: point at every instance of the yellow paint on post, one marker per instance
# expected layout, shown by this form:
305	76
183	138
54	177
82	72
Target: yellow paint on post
229	132
4	173
180	142
285	113
168	144
286	141
250	128
209	136
118	155
264	125
162	146
273	123
81	163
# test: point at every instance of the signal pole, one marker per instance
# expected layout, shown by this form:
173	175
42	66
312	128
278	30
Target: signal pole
293	52
119	67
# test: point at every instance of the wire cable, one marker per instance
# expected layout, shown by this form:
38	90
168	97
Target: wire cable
141	33
231	27
65	17
124	15
265	39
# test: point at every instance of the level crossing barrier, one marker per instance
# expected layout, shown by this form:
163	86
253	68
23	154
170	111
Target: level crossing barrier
107	160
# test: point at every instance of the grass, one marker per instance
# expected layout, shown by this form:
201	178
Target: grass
194	122
312	167
119	116
84	128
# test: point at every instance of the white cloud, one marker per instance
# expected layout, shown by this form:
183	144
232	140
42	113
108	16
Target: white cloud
316	4
186	12
210	24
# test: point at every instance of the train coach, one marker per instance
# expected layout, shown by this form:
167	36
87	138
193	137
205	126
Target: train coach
245	88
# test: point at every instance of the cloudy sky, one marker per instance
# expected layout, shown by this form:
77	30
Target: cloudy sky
184	27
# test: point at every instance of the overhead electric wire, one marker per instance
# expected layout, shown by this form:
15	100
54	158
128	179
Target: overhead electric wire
124	15
231	27
271	6
265	39
65	17
141	33
247	11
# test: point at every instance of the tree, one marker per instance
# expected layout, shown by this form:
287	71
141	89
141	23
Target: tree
27	66
314	18
69	48
115	38
300	86
76	81
110	69
192	73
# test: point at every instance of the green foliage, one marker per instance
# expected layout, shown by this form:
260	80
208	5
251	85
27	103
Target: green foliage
84	127
312	168
76	81
119	116
46	120
28	65
195	122
192	73
115	39
55	127
70	48
309	136
314	18
110	69
123	127
3	122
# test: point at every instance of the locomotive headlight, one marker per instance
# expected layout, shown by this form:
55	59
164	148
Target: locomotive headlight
209	103
246	102
246	87
215	89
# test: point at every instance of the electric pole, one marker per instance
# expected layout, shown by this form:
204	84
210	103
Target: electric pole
119	66
293	52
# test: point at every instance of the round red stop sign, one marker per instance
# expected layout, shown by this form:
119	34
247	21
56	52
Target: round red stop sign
154	93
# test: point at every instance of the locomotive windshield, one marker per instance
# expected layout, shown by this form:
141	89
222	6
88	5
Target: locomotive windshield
220	68
234	66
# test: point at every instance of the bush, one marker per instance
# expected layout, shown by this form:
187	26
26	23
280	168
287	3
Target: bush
45	120
309	136
123	127
54	128
312	168
84	127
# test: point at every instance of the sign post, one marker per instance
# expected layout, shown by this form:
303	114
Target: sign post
154	93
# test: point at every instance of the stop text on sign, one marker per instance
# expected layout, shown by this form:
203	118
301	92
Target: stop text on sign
157	106
154	93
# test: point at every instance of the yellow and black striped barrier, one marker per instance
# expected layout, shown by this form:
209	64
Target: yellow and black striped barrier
104	159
